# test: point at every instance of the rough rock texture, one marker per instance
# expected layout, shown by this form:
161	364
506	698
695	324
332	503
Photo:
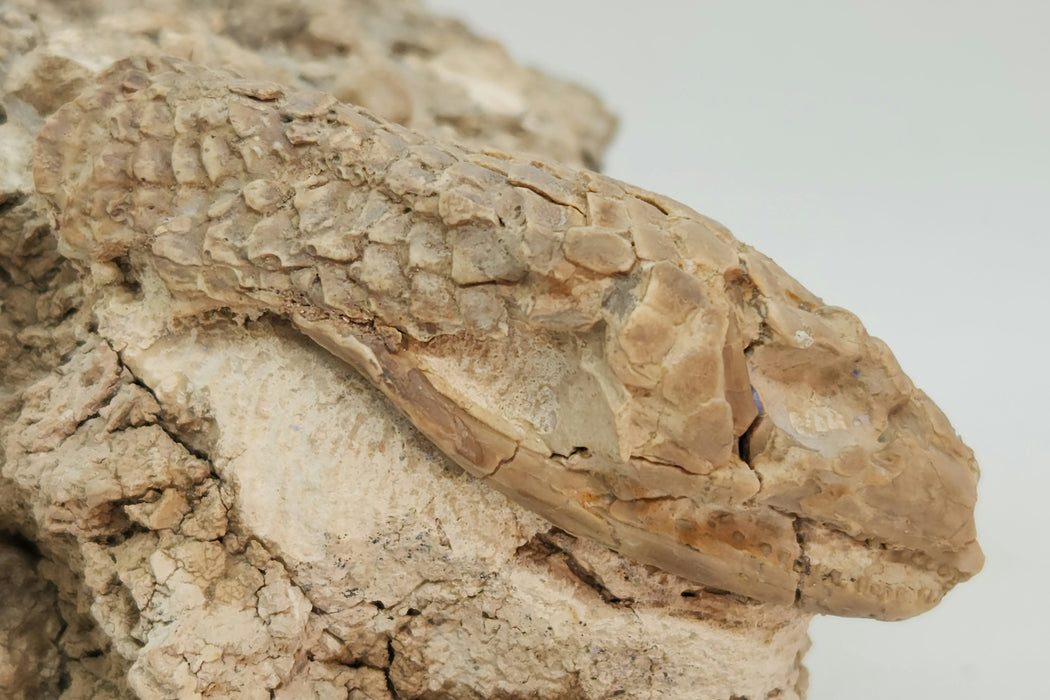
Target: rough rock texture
389	56
215	278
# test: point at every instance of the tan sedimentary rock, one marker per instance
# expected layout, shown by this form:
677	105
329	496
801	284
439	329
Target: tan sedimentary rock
391	56
221	508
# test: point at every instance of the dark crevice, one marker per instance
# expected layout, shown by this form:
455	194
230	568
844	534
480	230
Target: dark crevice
836	528
746	292
390	653
11	200
802	565
80	424
197	453
591	581
65	678
578	451
660	463
537	190
127	271
539	546
744	441
129	529
585	576
667	498
505	460
19	541
763	334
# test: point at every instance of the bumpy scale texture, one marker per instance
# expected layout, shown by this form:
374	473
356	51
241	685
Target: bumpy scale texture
603	355
216	507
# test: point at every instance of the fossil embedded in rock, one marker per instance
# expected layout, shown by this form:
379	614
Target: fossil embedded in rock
604	355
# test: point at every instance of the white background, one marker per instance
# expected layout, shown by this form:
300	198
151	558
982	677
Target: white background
894	157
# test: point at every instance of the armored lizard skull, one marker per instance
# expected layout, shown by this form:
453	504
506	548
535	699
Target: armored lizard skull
603	355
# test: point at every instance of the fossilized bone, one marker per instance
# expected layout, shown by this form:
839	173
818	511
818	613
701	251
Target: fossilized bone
603	355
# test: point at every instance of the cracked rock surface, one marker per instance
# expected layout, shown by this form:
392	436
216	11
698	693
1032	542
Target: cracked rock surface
266	354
